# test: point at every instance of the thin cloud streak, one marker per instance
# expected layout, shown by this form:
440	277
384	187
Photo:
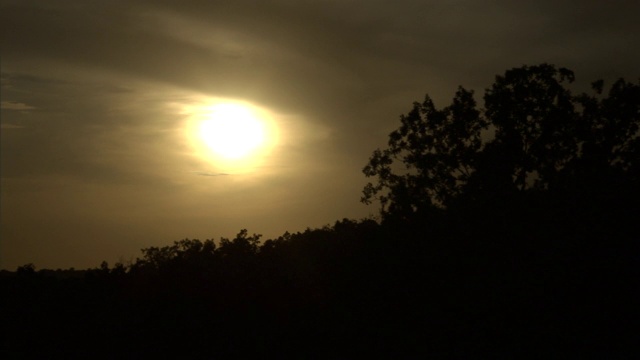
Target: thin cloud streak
14	105
204	173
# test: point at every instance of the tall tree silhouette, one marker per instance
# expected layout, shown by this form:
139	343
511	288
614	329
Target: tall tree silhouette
534	117
532	135
430	157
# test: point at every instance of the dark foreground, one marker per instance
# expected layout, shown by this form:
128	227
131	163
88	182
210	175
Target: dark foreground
355	289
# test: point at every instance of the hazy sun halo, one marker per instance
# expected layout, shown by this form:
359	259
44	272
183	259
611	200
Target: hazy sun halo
232	136
232	131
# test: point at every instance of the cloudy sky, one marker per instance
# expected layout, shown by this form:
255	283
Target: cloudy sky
102	102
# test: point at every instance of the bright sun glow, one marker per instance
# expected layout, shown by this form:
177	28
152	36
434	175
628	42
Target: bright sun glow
232	131
233	136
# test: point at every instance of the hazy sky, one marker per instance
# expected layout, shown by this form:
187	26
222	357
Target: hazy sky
100	100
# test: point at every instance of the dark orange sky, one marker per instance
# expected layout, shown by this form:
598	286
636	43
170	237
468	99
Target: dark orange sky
99	99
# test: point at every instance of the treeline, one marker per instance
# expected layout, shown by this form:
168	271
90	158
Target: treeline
354	289
505	231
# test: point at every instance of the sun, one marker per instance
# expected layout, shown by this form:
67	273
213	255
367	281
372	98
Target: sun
232	136
232	131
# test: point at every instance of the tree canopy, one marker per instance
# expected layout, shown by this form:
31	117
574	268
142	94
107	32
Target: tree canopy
532	135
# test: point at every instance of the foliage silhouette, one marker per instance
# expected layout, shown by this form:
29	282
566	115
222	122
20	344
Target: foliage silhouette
543	138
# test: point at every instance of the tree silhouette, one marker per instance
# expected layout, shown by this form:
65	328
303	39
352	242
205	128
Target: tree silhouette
241	245
429	159
534	117
531	135
26	270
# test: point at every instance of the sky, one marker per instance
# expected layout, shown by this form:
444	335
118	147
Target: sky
102	102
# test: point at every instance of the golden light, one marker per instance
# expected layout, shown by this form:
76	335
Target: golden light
232	131
234	136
